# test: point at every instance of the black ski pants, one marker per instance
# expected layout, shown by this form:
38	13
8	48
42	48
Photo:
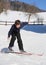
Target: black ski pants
19	41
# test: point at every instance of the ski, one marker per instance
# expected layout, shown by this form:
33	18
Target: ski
25	53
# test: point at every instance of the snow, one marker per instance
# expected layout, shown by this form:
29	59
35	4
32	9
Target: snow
34	42
33	36
11	16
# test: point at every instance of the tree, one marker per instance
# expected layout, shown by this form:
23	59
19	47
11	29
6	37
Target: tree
1	6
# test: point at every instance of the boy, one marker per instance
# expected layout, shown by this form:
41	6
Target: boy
15	33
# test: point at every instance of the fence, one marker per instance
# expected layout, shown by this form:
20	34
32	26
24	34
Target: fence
6	22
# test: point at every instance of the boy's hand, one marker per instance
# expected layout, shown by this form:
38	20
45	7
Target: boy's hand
9	38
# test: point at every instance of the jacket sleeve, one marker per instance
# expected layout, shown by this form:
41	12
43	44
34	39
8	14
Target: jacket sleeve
10	31
23	24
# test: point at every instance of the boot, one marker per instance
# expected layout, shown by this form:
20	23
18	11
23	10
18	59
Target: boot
10	48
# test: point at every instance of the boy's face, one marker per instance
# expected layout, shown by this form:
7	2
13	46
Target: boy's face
18	26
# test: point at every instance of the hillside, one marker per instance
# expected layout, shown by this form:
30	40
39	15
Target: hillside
19	6
24	7
11	16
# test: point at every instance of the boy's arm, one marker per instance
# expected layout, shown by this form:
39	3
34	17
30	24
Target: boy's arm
10	31
23	24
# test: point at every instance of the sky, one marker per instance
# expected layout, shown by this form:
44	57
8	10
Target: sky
39	3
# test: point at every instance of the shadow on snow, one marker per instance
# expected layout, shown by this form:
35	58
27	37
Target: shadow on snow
35	28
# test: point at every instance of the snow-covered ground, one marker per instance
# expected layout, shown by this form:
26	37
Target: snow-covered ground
33	40
33	36
13	15
22	16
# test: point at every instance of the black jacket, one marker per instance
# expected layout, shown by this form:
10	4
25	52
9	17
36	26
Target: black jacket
13	31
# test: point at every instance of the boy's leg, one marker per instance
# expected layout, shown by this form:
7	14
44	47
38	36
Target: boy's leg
20	44
11	44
